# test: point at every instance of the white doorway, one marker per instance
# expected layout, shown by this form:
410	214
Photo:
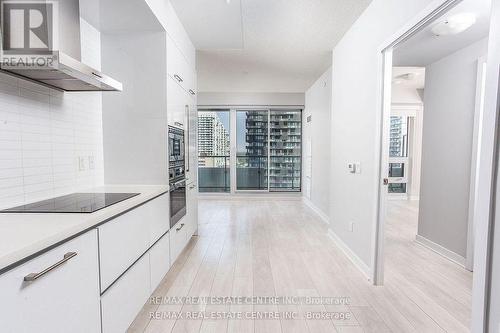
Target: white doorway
480	185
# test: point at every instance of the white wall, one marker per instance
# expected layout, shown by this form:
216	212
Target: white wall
449	101
405	94
135	120
43	132
355	122
316	138
231	98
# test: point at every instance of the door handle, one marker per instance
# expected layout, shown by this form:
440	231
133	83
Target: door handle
34	276
182	226
386	181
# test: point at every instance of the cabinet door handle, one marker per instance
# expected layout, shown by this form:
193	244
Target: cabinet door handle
33	276
191	92
182	226
178	78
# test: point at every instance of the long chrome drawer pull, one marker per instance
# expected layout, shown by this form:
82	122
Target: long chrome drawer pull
178	229
178	78
33	276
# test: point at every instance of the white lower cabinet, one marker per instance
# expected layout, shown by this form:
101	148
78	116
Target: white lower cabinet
64	299
126	237
124	299
121	241
159	258
192	209
178	239
158	219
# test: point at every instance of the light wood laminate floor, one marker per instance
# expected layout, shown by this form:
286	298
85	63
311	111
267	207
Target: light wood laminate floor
280	248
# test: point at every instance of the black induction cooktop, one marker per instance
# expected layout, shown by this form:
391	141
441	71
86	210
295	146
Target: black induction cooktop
73	203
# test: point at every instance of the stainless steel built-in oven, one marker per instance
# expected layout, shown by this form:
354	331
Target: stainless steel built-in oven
177	175
177	201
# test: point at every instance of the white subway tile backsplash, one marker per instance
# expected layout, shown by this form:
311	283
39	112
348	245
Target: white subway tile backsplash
11	164
42	133
41	136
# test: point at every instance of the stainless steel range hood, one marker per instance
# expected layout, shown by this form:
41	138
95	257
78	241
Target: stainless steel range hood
65	70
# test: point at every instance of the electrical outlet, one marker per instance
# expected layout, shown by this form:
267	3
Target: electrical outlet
81	163
351	226
91	163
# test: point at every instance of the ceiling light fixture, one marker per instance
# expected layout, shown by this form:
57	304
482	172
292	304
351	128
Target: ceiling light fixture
228	1
454	24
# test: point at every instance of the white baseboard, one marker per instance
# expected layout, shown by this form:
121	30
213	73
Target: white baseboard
253	196
450	255
363	268
324	217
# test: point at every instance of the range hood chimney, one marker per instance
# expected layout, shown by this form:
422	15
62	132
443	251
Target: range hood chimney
58	66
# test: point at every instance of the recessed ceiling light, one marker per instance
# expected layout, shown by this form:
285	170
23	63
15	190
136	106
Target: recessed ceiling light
228	1
454	24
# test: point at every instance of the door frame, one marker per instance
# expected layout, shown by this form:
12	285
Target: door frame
474	176
487	158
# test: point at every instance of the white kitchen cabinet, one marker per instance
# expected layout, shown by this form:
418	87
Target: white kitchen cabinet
159	259
192	144
177	66
178	239
126	237
125	298
192	210
176	104
65	299
121	241
159	218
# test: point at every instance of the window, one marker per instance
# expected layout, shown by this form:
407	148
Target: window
398	144
251	152
267	154
285	150
213	151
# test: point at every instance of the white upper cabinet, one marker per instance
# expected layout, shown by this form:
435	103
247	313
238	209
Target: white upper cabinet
62	294
192	144
179	69
176	104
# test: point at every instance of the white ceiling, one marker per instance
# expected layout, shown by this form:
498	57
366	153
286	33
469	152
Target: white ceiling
264	45
424	48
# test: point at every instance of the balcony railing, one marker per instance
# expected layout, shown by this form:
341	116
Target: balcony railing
213	174
252	172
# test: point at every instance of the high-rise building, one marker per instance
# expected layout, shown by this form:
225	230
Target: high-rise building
284	150
213	140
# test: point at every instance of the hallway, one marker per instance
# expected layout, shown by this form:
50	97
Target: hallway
280	248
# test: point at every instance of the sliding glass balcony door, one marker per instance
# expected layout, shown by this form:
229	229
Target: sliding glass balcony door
285	150
251	149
